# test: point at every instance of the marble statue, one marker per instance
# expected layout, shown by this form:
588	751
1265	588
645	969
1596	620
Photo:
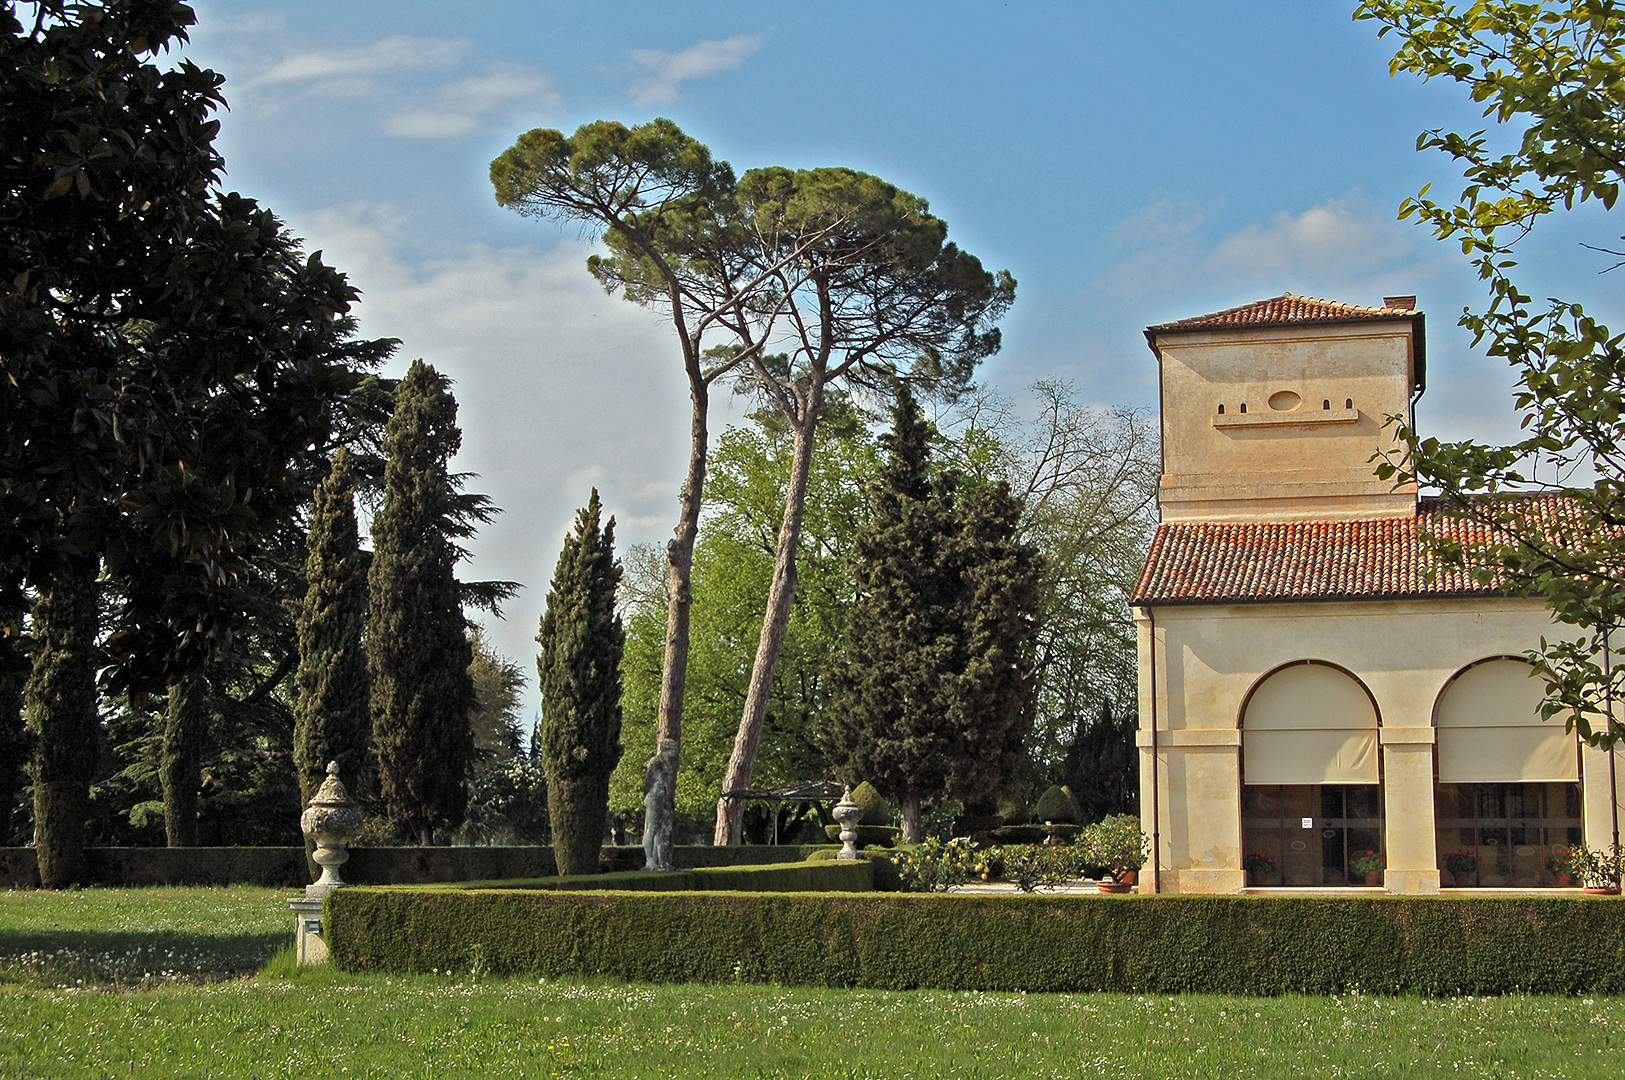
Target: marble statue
659	790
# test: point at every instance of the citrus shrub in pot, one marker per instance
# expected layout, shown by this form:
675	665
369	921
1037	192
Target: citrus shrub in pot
1118	846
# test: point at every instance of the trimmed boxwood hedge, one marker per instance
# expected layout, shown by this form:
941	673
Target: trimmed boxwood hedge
1161	944
278	867
793	877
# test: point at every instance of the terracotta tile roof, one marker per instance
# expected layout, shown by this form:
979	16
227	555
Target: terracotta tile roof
1285	310
1197	562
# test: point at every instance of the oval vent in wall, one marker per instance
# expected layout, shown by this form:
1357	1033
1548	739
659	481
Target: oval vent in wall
1284	401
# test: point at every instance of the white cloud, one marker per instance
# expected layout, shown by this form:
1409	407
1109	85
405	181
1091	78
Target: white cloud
1340	249
668	71
354	72
560	388
460	107
1163	222
1329	237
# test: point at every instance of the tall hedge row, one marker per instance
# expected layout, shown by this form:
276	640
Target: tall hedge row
1163	944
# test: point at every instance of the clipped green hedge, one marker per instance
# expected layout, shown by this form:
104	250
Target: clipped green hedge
1161	944
819	876
285	867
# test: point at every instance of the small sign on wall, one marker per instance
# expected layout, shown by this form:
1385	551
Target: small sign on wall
1309	823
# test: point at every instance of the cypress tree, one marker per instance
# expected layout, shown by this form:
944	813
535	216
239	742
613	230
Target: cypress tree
934	686
417	642
16	746
59	705
332	716
185	729
580	667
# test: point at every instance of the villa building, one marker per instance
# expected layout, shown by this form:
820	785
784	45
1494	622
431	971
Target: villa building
1308	689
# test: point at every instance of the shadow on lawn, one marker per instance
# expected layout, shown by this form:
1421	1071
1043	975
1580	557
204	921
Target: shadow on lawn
57	958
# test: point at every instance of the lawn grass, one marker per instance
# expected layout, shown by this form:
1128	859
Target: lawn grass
377	1026
145	1021
130	937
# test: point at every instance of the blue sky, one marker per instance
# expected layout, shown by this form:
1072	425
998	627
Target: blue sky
1128	163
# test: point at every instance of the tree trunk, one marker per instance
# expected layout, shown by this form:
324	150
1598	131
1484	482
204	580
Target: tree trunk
913	831
780	598
60	708
426	836
679	581
185	724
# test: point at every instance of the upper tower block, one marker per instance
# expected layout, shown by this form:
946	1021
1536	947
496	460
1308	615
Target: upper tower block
1273	410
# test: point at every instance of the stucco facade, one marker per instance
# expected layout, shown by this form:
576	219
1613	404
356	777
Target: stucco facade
1296	653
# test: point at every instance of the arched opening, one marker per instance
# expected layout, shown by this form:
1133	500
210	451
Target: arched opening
1311	802
1508	783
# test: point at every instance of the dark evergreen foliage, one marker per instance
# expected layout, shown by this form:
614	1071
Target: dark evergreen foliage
16	747
332	715
1102	765
417	641
580	666
936	680
186	727
60	707
173	359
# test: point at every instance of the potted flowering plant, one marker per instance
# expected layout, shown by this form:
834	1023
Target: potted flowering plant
1560	864
1119	847
1461	863
1368	864
1260	867
1599	871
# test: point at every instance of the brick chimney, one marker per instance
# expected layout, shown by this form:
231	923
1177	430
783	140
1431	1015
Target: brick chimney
1399	303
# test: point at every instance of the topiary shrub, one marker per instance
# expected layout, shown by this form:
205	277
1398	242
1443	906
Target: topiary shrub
1057	804
876	810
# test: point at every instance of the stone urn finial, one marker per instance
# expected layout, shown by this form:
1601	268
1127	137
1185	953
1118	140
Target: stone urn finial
847	814
332	820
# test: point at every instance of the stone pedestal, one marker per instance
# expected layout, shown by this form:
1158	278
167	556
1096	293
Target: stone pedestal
310	947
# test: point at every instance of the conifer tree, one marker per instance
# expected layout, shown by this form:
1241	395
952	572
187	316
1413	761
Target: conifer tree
417	642
59	705
15	745
185	727
332	720
580	667
935	682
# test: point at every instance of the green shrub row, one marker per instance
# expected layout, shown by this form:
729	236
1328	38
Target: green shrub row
1161	944
822	876
277	867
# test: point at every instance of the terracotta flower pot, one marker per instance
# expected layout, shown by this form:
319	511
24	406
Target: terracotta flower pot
1601	890
1129	877
1373	877
1462	878
1562	880
1108	886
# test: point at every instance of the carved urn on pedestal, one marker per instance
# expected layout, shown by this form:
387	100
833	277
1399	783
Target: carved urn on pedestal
332	820
847	814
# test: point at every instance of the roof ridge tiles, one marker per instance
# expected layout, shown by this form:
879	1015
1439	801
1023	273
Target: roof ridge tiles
1285	310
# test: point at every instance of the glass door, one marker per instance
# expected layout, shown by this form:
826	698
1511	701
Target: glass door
1306	834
